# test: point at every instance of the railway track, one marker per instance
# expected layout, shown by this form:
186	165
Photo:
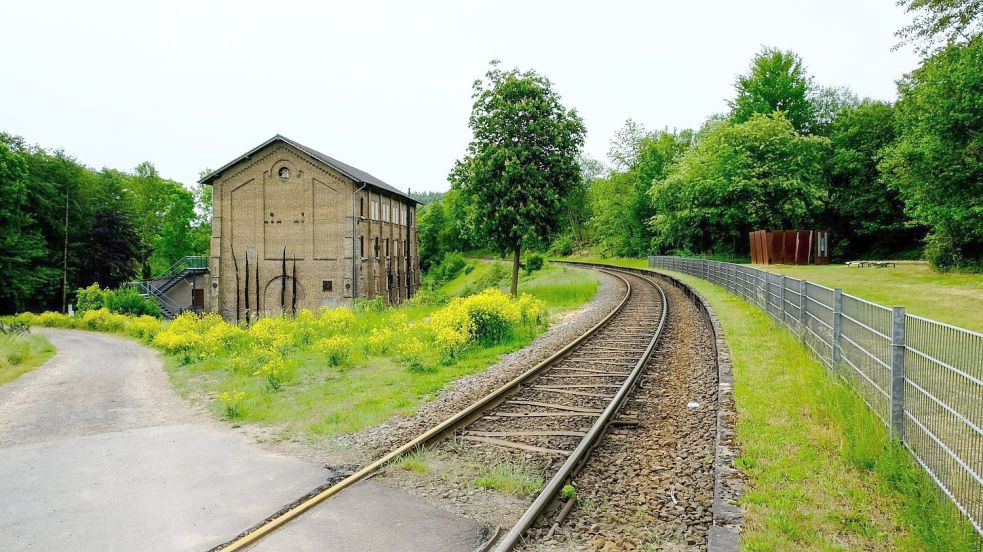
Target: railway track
558	410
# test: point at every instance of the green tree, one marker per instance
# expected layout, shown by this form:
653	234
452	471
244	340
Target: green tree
620	202
149	194
177	237
166	219
827	103
112	251
739	177
776	81
864	212
522	161
22	246
939	23
430	222
937	161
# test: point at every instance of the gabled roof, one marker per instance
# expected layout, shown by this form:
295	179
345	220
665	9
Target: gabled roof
357	175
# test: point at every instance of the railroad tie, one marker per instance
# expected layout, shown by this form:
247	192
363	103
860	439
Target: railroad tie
556	406
513	444
570	392
531	433
539	414
579	386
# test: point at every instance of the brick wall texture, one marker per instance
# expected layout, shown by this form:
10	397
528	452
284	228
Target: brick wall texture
283	204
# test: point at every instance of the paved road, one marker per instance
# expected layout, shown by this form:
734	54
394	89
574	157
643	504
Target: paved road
98	453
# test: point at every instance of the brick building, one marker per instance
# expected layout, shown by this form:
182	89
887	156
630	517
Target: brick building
292	226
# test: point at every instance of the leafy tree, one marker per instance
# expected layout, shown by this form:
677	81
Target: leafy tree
776	81
426	197
577	206
22	246
65	225
621	203
176	237
430	222
624	146
939	23
864	212
166	219
522	161
112	250
827	103
937	162
740	177
458	233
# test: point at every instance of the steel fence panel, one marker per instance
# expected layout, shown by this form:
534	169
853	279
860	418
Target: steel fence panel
865	346
790	298
940	367
944	408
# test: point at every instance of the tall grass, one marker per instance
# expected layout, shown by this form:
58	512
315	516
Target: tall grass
512	478
22	353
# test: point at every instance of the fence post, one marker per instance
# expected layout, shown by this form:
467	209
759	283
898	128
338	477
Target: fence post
803	317
837	325
767	293
782	299
897	372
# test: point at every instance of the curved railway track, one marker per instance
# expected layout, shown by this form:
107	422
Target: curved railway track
558	409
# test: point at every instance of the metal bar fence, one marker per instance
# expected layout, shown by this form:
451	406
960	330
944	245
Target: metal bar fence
922	378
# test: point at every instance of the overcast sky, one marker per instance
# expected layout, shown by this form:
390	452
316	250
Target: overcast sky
386	86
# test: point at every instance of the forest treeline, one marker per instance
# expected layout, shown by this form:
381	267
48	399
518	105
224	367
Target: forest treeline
66	226
886	179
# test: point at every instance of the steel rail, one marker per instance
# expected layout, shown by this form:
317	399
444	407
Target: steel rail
583	449
463	417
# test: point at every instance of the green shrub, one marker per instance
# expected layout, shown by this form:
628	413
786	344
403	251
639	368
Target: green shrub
562	247
377	304
449	268
55	320
125	300
89	299
533	263
336	349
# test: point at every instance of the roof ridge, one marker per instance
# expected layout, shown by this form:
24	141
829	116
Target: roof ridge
354	173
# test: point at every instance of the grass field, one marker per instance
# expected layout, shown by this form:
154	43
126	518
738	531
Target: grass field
822	472
950	297
22	353
321	399
560	286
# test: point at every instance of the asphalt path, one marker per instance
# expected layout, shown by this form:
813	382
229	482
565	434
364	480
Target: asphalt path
97	453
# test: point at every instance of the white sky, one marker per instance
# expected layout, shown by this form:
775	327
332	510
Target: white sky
386	86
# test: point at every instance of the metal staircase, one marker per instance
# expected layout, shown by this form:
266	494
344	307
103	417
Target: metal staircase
159	286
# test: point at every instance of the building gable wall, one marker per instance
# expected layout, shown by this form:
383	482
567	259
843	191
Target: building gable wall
307	219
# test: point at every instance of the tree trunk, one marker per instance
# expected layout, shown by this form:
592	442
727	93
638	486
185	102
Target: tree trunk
515	269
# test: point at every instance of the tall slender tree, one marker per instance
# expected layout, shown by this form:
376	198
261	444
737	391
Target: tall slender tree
522	160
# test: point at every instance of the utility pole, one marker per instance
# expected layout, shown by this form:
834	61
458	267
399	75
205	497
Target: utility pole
64	262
